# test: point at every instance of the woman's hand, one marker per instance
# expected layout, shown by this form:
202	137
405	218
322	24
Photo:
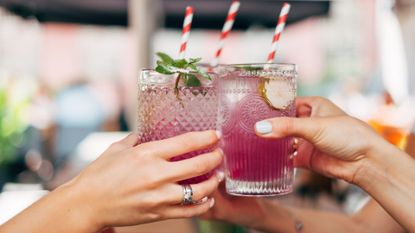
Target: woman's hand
133	184
128	184
244	211
340	146
334	144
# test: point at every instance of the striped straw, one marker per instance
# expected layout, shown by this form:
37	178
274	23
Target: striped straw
187	24
227	27
278	30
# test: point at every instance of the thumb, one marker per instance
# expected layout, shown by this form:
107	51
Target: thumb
306	128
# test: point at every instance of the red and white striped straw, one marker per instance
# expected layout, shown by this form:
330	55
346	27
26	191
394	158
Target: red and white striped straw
227	27
278	30
187	24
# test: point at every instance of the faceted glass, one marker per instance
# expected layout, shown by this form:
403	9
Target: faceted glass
163	113
248	94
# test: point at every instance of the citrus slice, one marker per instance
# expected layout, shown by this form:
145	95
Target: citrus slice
278	93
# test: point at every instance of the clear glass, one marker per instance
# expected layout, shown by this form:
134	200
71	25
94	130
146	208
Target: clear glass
163	114
255	166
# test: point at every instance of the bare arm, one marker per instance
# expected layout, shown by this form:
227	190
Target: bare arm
338	146
391	182
343	147
270	216
59	211
390	179
124	186
372	218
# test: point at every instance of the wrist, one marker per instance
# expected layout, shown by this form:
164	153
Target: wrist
372	171
276	218
78	208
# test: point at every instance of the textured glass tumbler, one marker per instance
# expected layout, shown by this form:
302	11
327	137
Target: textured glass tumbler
165	113
247	94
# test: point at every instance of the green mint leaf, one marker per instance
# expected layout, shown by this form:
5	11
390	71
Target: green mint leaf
187	70
193	68
199	71
164	57
164	68
192	81
194	60
205	75
180	63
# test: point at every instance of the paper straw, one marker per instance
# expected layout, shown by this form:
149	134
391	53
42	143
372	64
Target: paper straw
227	27
187	24
278	30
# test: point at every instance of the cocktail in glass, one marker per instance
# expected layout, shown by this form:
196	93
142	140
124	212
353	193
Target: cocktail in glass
164	112
248	94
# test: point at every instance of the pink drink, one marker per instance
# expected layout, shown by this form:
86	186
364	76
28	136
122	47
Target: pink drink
253	165
162	115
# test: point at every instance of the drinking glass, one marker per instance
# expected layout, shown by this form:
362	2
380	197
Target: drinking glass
165	112
247	94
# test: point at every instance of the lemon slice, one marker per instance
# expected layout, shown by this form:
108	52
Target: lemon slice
278	93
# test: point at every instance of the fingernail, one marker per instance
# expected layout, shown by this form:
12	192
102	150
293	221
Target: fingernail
220	175
212	202
218	134
263	127
204	200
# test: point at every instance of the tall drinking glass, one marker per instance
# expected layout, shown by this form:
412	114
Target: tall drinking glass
164	112
247	94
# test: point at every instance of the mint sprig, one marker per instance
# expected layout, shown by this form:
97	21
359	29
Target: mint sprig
186	70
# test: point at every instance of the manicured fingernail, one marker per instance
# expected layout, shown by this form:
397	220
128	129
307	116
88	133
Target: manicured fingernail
212	202
218	134
220	175
263	127
204	200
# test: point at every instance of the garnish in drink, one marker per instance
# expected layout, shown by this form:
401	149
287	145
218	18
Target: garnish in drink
186	70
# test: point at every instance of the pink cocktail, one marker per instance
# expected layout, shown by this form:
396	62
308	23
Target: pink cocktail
163	113
248	94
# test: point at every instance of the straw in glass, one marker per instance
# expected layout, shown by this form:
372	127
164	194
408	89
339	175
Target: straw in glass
187	24
278	30
227	27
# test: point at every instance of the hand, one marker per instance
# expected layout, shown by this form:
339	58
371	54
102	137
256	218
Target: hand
131	184
244	211
334	144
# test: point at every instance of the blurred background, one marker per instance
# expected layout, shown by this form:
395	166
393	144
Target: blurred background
68	72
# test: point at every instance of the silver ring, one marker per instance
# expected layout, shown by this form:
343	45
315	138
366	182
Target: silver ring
187	194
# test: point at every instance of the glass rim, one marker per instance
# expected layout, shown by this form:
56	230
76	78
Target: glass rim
152	71
261	64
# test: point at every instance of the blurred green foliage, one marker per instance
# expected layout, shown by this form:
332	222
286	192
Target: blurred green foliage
12	125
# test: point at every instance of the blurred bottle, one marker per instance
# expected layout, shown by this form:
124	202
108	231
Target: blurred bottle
391	122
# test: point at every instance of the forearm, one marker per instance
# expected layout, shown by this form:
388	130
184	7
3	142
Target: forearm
389	177
294	220
60	211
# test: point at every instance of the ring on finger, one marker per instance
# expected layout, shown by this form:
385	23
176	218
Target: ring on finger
187	195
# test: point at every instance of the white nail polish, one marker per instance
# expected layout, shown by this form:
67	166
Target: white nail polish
220	175
204	200
218	134
212	202
263	127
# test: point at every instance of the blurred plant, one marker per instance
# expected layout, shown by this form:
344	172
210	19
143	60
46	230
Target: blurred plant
12	124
